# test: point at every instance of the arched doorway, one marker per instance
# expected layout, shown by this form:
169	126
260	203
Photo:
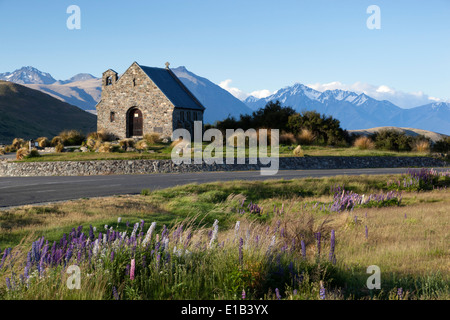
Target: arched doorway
135	123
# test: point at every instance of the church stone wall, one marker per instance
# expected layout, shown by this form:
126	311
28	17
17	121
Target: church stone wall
134	89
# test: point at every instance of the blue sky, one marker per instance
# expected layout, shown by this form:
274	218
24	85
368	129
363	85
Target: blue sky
247	46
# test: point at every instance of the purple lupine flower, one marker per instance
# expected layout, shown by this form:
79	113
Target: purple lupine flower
112	256
332	246
243	294
367	233
322	293
8	283
400	293
115	293
318	237
277	294
144	263
241	254
303	249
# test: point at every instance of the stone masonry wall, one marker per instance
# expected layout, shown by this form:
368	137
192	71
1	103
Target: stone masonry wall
106	167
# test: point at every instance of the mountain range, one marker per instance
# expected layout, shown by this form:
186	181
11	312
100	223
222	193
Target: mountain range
359	111
355	111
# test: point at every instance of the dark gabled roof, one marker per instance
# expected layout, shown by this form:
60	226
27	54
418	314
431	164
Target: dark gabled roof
173	88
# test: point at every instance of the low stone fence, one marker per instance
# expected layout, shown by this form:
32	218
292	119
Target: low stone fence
107	167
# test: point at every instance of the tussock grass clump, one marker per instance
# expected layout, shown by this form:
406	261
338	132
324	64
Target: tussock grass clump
56	140
105	147
101	134
126	143
175	142
142	145
22	153
43	142
298	152
152	138
18	143
287	138
72	137
306	137
364	143
421	146
59	147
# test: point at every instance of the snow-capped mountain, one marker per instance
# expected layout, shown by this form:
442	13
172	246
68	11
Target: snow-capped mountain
84	91
355	111
359	111
27	75
218	102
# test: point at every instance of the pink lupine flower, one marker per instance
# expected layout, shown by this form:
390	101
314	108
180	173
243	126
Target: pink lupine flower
132	268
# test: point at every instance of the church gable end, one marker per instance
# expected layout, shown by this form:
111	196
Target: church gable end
133	105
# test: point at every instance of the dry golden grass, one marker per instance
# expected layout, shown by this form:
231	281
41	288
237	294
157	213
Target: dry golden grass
18	143
152	138
59	147
105	147
56	140
415	243
43	142
142	145
306	137
101	134
298	152
364	143
421	146
126	143
22	153
287	138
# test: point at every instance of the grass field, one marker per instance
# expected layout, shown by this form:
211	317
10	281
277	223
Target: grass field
407	239
159	152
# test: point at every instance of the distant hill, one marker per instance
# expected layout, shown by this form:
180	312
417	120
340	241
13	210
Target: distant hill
29	114
434	136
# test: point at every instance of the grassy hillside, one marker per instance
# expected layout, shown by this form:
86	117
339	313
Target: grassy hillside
28	114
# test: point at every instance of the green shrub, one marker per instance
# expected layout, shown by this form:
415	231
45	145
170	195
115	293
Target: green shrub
392	140
442	145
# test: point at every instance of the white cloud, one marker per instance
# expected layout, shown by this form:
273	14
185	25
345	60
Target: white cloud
234	91
382	92
261	93
241	95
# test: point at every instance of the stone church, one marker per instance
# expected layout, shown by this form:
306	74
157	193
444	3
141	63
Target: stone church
146	100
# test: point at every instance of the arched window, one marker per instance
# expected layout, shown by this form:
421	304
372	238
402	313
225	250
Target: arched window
112	116
109	81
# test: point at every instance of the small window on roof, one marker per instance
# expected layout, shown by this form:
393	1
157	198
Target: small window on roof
112	116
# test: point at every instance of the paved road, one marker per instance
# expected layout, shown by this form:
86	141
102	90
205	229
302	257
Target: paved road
32	190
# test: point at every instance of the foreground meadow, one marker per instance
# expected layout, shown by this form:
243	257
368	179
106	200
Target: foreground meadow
297	239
